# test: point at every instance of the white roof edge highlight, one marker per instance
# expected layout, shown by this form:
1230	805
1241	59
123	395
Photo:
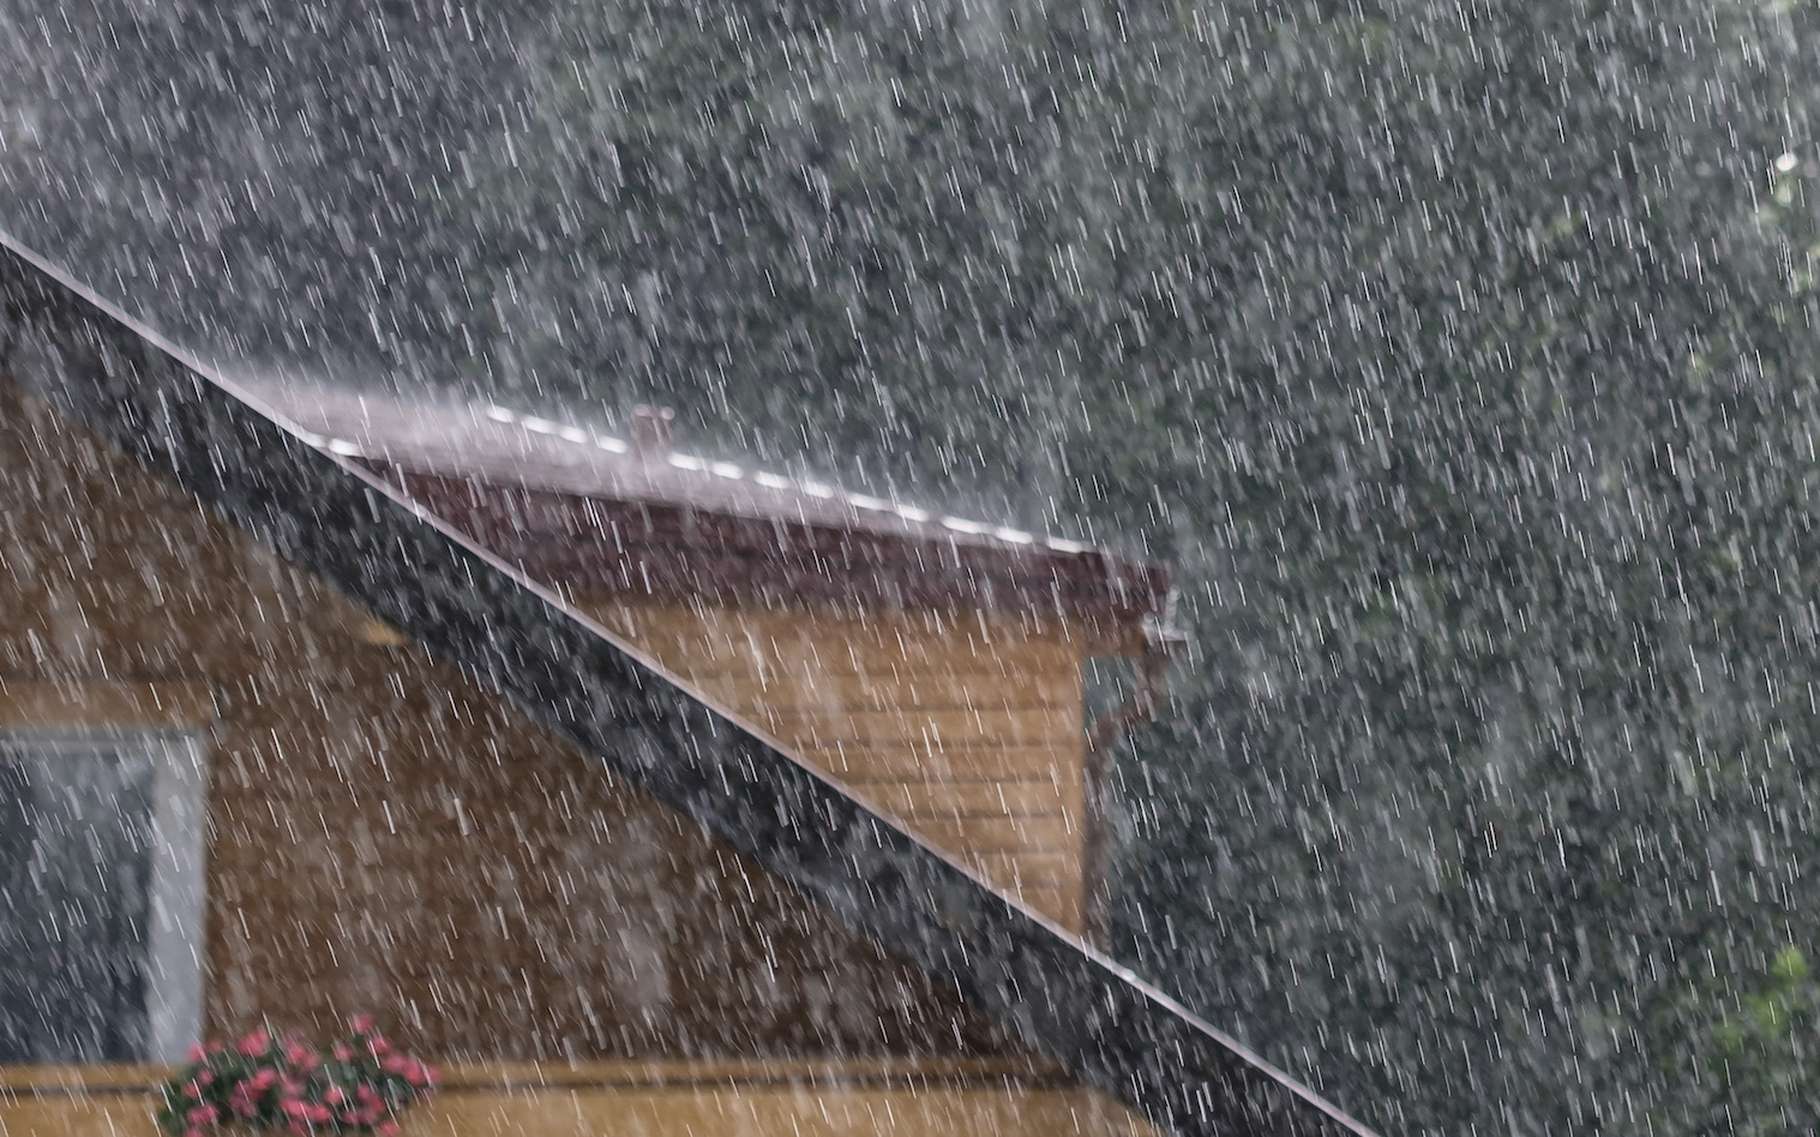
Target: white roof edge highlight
551	428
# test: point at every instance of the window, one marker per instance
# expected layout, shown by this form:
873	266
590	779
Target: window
101	888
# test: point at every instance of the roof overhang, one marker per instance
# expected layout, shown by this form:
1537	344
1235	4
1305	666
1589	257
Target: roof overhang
590	544
464	604
593	512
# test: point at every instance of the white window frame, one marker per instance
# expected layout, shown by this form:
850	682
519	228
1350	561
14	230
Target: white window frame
175	939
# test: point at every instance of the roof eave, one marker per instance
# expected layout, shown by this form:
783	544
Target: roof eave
589	544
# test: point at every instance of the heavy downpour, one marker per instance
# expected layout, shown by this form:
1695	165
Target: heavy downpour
793	568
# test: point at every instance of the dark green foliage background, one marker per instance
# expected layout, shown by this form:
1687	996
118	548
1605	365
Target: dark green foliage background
1456	353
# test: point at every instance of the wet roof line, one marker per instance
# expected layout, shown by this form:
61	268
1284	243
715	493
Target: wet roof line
549	427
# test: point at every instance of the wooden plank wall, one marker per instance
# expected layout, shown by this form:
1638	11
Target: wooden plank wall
701	1099
386	836
967	729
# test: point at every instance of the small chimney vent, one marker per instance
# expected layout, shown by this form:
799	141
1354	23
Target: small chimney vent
651	431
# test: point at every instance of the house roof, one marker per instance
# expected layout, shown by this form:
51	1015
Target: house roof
464	604
589	508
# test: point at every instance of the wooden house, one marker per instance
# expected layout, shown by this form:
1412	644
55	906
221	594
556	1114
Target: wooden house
932	664
651	795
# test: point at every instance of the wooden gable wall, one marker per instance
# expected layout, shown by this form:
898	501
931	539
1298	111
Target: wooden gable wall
965	727
385	835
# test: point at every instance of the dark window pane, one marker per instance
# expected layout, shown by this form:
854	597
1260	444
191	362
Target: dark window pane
75	858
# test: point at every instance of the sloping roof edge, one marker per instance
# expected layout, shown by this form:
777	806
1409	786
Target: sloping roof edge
679	550
570	504
179	417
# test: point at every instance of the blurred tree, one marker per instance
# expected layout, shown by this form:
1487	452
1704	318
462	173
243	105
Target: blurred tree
1452	355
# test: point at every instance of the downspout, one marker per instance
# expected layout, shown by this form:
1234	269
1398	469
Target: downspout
1150	687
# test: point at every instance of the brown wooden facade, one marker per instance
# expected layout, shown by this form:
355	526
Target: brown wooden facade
966	728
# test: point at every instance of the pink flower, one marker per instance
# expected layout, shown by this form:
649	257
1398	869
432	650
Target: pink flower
387	1129
301	1056
263	1080
197	1054
307	1111
206	1078
255	1044
202	1115
378	1045
413	1071
192	1133
341	1052
361	1024
335	1096
193	1090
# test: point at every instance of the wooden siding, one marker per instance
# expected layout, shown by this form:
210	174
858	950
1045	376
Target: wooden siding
41	705
902	1098
966	729
386	835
